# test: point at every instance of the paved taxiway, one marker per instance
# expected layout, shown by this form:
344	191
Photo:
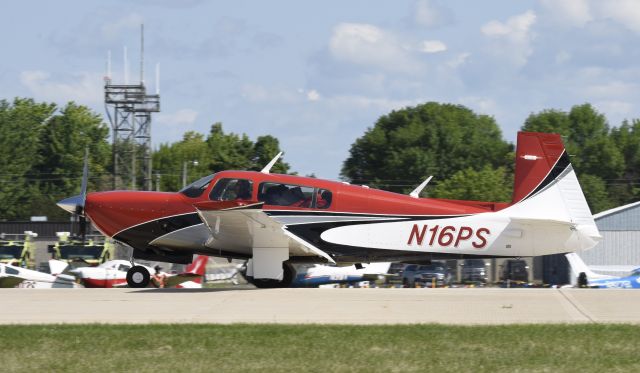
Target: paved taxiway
340	306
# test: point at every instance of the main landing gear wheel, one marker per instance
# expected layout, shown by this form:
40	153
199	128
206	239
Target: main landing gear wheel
138	277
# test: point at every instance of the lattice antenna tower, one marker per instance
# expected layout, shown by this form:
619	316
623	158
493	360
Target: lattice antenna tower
129	109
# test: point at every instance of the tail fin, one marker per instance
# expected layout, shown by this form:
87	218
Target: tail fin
57	267
546	189
578	266
198	266
540	157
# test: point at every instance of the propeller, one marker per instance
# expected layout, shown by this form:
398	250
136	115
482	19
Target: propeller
83	196
75	204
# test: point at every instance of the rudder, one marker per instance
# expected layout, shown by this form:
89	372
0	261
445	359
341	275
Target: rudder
537	156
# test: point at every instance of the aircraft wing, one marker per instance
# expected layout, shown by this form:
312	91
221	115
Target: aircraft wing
239	226
10	281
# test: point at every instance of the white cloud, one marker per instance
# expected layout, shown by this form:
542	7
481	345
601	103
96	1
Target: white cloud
516	28
313	95
433	46
83	88
368	45
625	12
429	13
580	12
182	117
513	38
568	12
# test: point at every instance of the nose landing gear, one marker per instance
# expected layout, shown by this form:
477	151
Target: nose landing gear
138	277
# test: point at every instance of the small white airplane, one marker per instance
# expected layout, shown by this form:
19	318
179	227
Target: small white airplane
18	277
597	280
313	275
114	274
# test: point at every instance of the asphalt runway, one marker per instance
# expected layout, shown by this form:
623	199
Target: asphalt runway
336	306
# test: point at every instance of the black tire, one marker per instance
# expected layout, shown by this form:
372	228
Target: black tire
138	277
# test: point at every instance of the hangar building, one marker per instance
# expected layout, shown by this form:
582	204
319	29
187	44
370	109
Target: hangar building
620	245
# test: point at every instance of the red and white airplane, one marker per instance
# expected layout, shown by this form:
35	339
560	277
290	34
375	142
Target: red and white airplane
275	220
18	277
114	274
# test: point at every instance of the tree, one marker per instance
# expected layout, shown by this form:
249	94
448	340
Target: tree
429	139
63	140
588	139
627	139
20	127
41	156
191	154
229	151
487	184
265	148
218	152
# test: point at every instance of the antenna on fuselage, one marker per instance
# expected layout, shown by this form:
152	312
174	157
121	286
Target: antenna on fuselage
416	192
267	168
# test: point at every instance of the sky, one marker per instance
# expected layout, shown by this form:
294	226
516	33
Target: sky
317	74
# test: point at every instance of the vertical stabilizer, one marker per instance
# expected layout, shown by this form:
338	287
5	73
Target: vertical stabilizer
547	191
578	266
537	155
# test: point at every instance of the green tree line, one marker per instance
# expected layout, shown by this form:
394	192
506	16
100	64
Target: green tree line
42	149
470	159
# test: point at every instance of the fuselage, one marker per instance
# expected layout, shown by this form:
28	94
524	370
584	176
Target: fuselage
107	275
628	282
170	220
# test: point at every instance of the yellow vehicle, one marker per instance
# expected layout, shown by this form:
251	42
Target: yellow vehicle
91	251
18	249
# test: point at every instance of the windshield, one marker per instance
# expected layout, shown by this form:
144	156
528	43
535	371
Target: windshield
80	252
10	252
196	188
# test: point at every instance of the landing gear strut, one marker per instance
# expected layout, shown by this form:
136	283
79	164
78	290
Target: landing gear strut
138	277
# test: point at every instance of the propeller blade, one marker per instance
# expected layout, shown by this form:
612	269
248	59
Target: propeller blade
85	177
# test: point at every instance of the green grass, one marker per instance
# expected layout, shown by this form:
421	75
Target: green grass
320	348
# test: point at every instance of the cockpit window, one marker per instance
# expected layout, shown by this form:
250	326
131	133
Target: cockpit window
196	188
231	190
11	271
285	195
124	267
323	199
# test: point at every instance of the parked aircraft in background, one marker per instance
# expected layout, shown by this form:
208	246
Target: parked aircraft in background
596	280
11	276
114	274
313	275
276	221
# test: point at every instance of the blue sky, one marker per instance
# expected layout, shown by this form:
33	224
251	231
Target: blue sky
317	74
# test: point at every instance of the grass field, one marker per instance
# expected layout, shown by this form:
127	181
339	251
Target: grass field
320	348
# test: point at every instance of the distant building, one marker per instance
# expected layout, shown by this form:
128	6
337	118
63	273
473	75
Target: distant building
620	245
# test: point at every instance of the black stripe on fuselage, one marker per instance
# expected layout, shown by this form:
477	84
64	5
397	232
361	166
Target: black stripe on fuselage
139	236
311	233
379	217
